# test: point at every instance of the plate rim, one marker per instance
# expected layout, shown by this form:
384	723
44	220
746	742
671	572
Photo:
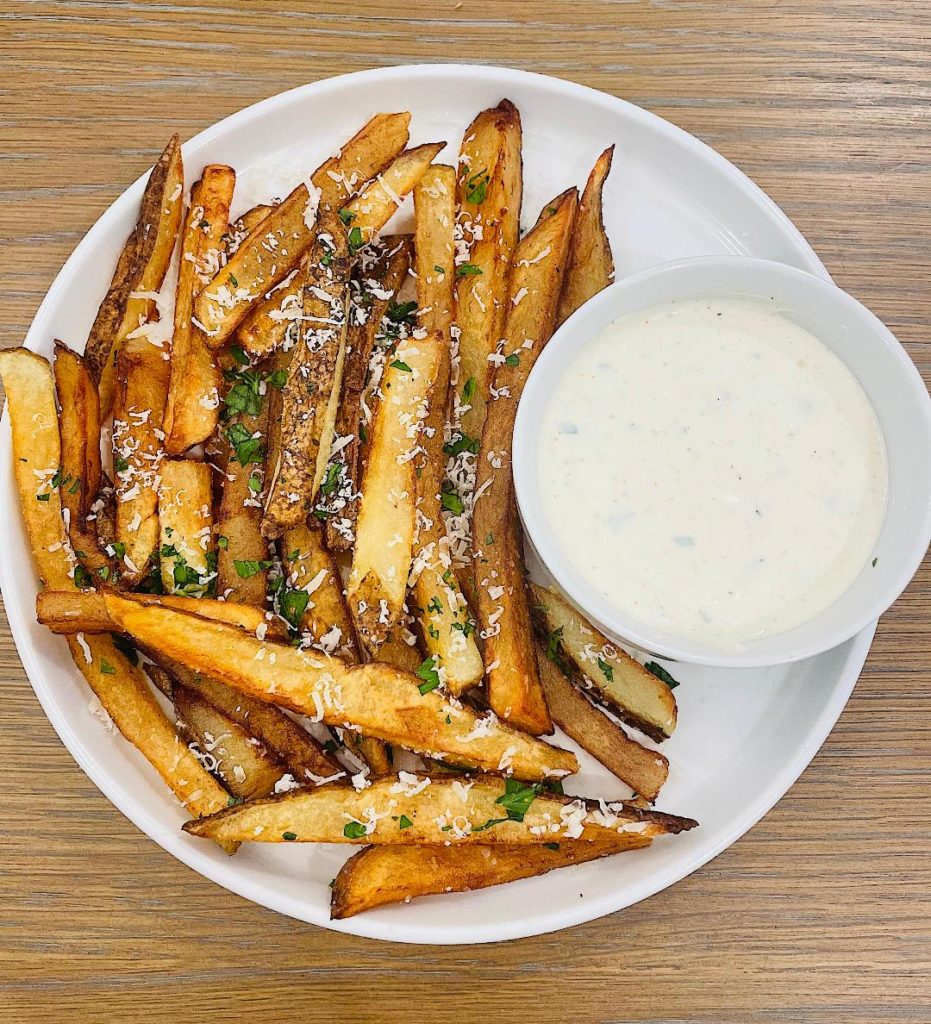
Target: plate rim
223	873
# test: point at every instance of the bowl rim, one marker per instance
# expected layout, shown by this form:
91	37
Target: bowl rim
626	628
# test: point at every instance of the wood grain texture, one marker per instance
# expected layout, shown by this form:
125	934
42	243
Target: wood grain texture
823	912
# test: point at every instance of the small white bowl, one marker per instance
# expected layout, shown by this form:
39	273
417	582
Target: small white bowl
865	346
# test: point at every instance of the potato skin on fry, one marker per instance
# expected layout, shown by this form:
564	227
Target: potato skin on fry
643	770
30	394
514	690
590	266
380	875
439	810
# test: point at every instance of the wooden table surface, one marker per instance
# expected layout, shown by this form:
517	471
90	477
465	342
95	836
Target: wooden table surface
822	912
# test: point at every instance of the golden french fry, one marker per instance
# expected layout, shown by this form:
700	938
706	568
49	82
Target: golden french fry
643	770
141	267
376	204
185	515
65	611
157	243
602	670
514	690
380	875
141	384
378	700
30	394
124	693
383	552
489	197
590	265
191	410
385	277
80	474
410	809
291	743
311	393
267	257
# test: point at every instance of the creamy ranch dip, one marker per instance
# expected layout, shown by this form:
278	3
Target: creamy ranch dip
713	470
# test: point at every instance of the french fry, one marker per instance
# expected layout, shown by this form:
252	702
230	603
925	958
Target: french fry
378	202
313	600
442	611
380	875
141	383
30	394
311	393
65	611
272	323
157	237
291	743
80	475
141	267
124	693
514	690
590	266
489	199
383	550
378	700
185	515
227	750
411	809
191	409
386	277
602	670
243	226
643	770
266	259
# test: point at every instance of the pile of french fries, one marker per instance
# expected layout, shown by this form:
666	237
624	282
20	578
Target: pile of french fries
294	578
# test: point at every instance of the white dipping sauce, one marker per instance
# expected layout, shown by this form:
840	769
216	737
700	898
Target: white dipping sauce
713	470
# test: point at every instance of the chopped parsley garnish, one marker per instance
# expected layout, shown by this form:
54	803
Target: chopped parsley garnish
490	539
551	846
223	542
355	239
346	216
512	360
428	673
234	800
289	837
465	628
107	668
238	353
233	281
104	572
331	480
451	501
459	443
244	396
438	268
477	187
606	669
468	390
354	830
434	605
292	604
120	464
517	798
186	579
401	312
489	824
397	364
278	379
255	483
75	487
404	822
248	567
661	673
56	479
433	631
42	497
468	270
248	449
119	548
82	578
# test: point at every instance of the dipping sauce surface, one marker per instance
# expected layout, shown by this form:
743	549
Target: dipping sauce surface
713	470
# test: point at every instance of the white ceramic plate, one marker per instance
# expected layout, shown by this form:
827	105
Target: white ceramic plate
744	737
